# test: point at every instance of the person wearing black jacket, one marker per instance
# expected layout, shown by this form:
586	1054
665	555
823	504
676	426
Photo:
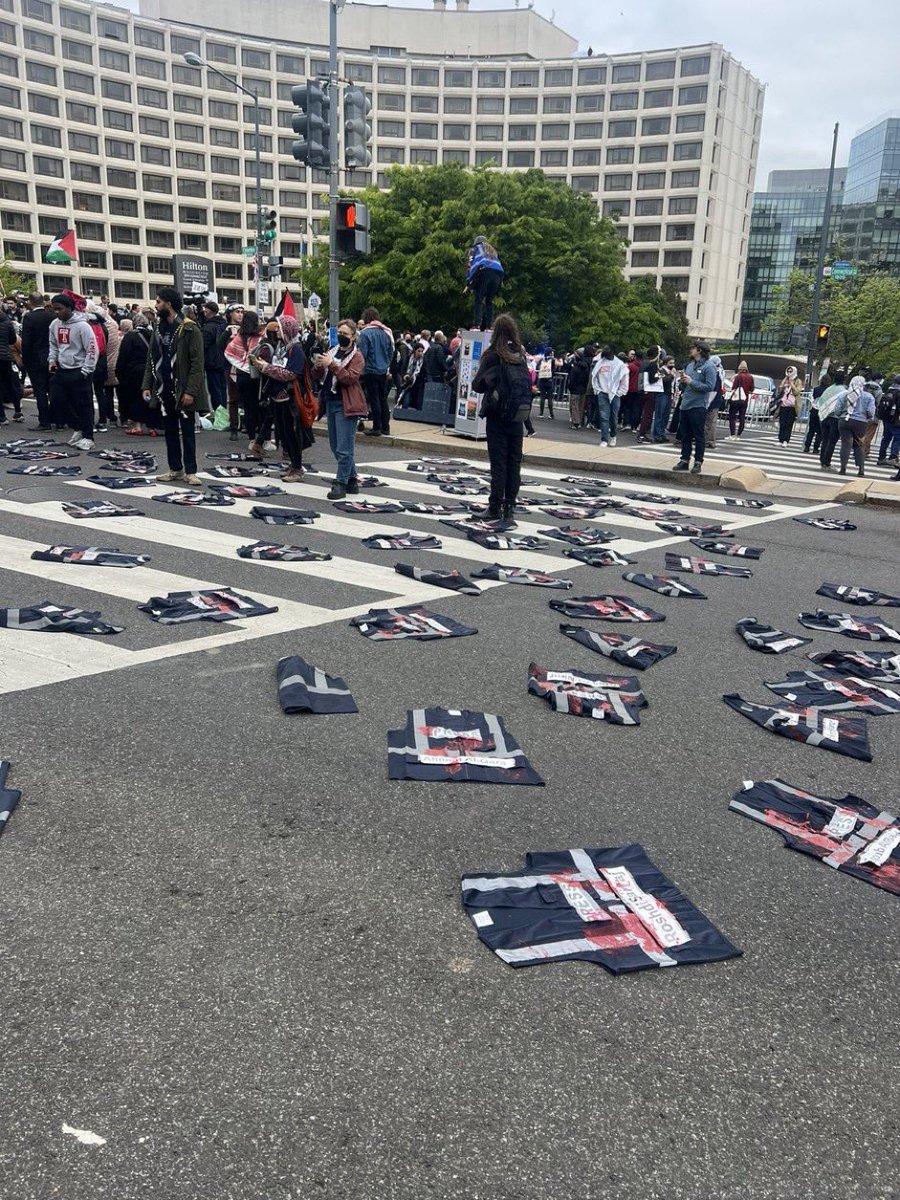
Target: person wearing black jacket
130	374
579	383
888	412
505	383
434	365
214	363
10	381
36	354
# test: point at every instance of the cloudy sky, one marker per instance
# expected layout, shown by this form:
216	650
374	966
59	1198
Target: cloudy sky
821	61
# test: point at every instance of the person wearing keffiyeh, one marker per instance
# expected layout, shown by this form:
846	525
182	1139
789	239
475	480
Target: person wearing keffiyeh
854	410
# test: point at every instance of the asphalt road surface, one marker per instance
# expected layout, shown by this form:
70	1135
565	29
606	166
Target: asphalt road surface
236	952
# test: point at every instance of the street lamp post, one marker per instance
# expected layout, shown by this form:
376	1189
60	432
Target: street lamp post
194	60
334	283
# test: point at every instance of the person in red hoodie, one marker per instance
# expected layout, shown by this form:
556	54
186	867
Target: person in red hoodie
741	387
632	401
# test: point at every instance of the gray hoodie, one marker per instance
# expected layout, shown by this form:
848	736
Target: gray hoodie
73	346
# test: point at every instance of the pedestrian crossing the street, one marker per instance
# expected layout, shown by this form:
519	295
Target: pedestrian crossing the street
760	448
193	548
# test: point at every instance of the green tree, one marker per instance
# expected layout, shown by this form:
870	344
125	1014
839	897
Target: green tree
862	315
562	259
11	281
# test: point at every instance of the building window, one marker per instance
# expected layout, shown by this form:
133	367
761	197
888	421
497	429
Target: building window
182	45
618	155
491	79
125	234
390	74
259	60
192	216
47	197
44	165
17	222
646	233
69	18
116	148
128	290
687	150
47	106
522	133
190	160
558	77
225	137
554	158
682	206
48	226
557	104
588	129
12	190
645	258
217	52
391	154
685	179
396	129
229	192
286	64
677	258
618	182
160	266
157	183
658	98
112	89
489	133
40	73
623	101
456	156
654	126
616	208
159	212
520	158
265	142
680	233
620	129
150	68
554	133
588	75
424	104
648	208
88	202
41	135
456	133
690	123
592	102
114	60
10	66
119	178
189	76
43	43
522	106
154	127
232	220
188	133
38	10
222	110
457	104
421	156
290	199
696	65
150	39
85	143
394	102
585	183
695	94
496	105
522	79
74	51
484	158
127	262
224	166
227	245
661	69
586	158
116	31
457	79
425	77
651	180
423	131
654	153
152	98
626	72
93	260
359	72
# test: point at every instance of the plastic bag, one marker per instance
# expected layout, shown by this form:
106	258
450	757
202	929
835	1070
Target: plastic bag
220	418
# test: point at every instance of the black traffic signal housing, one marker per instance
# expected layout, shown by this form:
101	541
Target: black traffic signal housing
270	225
312	124
821	336
353	228
357	130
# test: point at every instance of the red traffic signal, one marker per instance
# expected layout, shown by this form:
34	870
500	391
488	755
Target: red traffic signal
346	215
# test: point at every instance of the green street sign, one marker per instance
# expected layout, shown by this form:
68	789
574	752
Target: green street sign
248	251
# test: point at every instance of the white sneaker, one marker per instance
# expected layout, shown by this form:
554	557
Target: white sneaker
74	439
603	445
612	441
84	444
269	447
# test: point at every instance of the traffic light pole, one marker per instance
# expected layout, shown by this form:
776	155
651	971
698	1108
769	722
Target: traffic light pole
260	251
334	298
811	343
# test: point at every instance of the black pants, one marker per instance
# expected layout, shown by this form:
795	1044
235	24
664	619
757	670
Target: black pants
215	382
39	375
72	400
813	433
181	440
105	407
545	389
692	427
853	435
485	286
630	412
786	418
830	437
10	391
376	389
288	433
257	419
504	440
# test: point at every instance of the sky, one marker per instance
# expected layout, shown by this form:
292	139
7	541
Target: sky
822	61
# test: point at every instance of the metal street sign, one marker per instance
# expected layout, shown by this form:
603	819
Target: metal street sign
315	302
248	251
262	293
843	271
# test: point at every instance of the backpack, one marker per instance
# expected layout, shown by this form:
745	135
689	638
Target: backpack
99	331
511	399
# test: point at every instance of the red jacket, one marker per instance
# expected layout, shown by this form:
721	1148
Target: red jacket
347	375
634	374
743	381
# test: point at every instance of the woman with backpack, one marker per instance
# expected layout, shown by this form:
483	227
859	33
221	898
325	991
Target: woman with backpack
504	381
257	416
280	360
742	387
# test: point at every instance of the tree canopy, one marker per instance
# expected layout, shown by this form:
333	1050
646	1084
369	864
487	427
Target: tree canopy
562	260
863	316
11	281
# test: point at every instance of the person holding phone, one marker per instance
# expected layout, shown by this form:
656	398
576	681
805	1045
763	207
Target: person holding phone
342	401
699	381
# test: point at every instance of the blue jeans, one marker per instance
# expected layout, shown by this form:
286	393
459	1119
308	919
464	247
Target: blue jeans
890	441
609	415
342	440
215	382
661	417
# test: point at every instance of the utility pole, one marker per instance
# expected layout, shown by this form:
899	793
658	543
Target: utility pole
334	284
820	268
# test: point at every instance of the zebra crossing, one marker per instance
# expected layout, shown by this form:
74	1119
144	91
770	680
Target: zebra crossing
193	548
760	448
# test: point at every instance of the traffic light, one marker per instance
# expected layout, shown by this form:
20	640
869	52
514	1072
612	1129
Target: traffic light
312	124
353	228
270	225
821	336
357	130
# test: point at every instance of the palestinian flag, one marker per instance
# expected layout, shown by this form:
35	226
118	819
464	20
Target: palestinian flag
286	306
62	249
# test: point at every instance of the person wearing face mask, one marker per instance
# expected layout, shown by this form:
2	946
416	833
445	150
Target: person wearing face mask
787	397
342	401
854	409
280	360
234	314
257	419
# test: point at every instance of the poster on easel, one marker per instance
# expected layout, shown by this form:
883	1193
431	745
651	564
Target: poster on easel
467	421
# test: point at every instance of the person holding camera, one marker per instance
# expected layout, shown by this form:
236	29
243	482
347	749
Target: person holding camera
174	378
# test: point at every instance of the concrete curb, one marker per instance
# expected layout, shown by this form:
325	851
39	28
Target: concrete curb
637	464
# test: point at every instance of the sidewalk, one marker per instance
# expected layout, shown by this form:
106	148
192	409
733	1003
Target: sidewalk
584	456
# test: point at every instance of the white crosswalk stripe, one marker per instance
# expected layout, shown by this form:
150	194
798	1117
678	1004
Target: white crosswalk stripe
29	660
785	463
